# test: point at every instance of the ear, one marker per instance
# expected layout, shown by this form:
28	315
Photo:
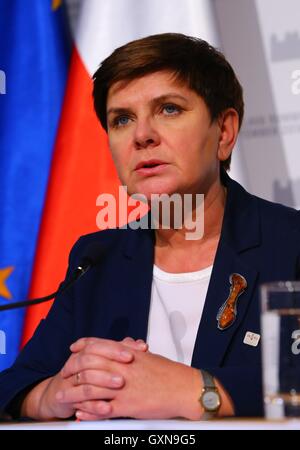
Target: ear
229	128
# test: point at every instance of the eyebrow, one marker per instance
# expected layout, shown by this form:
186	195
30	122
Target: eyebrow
154	101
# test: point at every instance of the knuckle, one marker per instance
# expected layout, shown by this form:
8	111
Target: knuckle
83	377
85	359
94	407
68	368
93	346
89	346
86	348
102	407
87	390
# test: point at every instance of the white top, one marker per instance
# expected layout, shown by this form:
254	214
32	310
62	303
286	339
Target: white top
177	301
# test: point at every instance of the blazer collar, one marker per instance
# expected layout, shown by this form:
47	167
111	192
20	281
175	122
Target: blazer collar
241	223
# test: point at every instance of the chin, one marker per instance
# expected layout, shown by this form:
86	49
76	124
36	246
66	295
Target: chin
158	187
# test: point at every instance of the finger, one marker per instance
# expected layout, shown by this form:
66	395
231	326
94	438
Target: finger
85	417
80	362
143	346
84	392
99	378
113	350
95	358
117	409
81	343
128	340
96	408
135	345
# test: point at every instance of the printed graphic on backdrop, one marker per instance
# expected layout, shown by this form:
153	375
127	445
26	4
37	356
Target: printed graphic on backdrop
267	61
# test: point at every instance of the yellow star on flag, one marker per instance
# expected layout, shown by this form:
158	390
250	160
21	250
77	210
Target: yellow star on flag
4	274
56	4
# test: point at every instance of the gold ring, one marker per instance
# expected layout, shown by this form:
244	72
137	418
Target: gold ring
77	378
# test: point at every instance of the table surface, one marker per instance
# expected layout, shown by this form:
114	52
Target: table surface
121	424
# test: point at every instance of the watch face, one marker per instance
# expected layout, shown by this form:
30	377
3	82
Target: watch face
210	400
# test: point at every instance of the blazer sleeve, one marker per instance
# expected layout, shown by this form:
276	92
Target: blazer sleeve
244	386
45	353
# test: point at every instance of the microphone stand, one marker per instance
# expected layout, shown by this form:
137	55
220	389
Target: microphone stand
78	272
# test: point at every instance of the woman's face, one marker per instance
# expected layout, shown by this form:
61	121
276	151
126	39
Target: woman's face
161	136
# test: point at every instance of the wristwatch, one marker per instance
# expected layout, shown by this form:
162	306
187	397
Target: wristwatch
210	398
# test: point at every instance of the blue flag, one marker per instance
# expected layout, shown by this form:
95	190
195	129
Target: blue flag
34	57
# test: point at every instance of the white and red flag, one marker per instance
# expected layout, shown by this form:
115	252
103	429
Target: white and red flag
82	167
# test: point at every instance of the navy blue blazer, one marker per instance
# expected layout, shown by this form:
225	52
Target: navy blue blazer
259	240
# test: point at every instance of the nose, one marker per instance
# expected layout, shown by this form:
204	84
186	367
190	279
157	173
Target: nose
146	135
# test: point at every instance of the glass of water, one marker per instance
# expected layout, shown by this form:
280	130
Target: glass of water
280	326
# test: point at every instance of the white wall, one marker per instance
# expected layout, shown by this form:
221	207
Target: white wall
261	38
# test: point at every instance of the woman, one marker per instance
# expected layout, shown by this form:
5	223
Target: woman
172	107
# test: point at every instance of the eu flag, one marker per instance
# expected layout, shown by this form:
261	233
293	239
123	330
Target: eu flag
34	56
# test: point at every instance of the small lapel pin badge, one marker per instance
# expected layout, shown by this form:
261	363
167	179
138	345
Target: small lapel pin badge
251	339
228	311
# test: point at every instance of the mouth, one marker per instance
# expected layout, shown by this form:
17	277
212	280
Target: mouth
150	167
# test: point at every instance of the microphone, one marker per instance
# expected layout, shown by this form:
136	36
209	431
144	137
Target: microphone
91	257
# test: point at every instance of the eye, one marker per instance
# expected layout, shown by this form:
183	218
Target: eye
171	110
120	121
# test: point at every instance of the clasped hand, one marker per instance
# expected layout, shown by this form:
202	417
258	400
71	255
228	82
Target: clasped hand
107	379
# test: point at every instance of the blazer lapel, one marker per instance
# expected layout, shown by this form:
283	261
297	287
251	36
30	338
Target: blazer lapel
128	314
139	257
211	342
240	232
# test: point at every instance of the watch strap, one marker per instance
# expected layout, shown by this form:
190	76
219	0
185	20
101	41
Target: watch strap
208	385
208	379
